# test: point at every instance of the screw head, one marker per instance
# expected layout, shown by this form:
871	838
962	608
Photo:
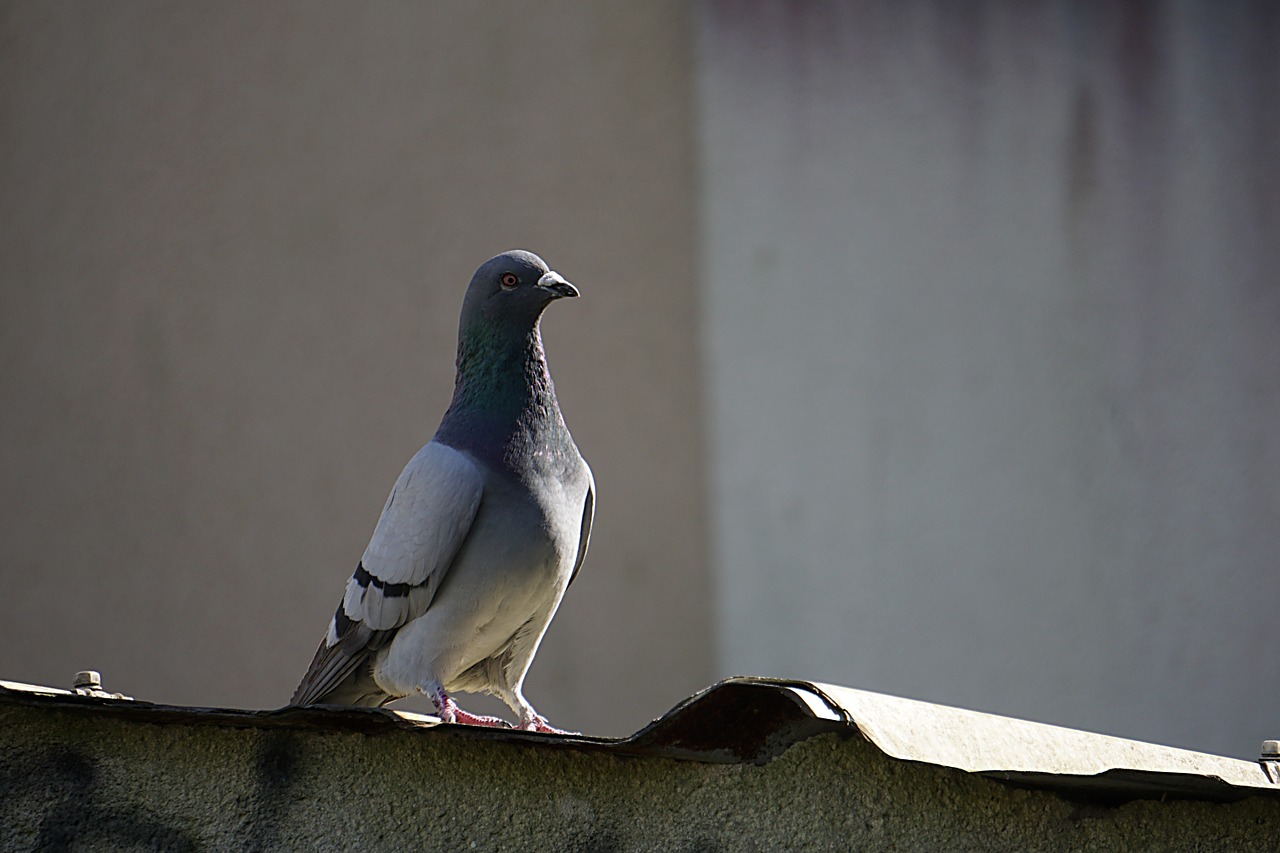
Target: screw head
1271	749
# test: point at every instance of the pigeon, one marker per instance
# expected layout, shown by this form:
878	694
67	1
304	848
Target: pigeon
484	530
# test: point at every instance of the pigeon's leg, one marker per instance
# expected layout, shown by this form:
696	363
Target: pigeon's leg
538	723
450	712
531	720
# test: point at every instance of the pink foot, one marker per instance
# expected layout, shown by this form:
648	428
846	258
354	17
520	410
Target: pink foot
539	724
461	716
451	713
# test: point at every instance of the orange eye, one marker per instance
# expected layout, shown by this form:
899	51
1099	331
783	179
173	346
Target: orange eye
509	279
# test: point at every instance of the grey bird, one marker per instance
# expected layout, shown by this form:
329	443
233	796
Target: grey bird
483	532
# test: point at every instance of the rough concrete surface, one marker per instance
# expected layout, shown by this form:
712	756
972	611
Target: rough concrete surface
74	778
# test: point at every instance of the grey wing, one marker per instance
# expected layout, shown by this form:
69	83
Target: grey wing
425	521
588	515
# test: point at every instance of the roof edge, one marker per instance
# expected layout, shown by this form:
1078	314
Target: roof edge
752	720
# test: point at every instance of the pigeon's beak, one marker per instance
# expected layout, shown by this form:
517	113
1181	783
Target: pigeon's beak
555	282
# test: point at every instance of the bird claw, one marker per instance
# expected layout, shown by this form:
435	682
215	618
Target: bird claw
449	712
467	718
538	723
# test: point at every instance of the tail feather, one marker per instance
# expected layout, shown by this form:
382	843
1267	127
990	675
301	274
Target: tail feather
341	673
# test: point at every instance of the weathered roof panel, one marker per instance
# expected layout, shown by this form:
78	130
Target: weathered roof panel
752	720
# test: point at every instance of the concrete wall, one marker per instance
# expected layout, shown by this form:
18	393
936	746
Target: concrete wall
233	244
993	335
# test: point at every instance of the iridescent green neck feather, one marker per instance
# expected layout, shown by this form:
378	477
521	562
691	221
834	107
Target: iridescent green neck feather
503	399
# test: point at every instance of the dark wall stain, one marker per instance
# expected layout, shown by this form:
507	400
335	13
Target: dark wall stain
65	788
74	814
1081	172
275	773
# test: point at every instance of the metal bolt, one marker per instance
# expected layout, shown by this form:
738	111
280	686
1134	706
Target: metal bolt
88	680
1270	760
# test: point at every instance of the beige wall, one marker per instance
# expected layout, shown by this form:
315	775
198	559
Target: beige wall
233	242
993	323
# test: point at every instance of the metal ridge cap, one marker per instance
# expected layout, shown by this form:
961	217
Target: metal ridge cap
1022	750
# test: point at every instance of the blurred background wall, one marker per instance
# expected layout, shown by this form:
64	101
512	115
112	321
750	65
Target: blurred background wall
930	348
992	319
233	246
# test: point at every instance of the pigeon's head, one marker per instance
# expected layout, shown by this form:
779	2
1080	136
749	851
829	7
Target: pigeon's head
513	288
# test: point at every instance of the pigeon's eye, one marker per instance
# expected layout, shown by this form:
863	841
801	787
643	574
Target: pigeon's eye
509	279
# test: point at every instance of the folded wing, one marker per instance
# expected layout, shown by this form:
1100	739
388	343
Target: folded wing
423	525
